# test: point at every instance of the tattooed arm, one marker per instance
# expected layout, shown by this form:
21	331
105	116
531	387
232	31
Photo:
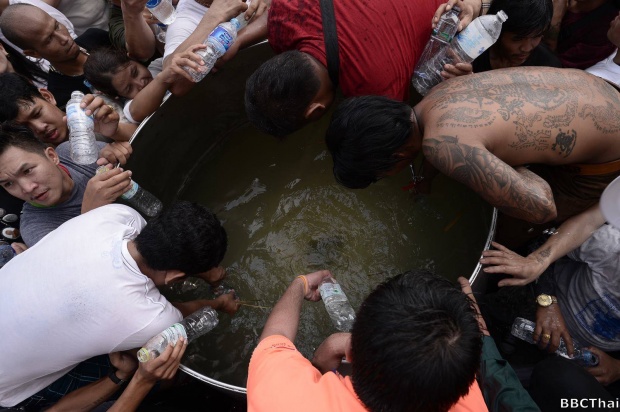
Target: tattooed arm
516	192
571	234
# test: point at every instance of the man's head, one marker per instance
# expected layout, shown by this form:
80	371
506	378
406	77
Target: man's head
29	169
22	103
38	34
528	20
185	238
415	345
286	92
369	138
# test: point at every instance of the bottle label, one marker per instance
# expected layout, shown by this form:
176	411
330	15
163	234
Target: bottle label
330	289
472	40
223	37
152	3
131	192
173	333
75	112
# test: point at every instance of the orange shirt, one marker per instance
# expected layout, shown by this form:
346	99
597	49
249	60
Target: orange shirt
281	379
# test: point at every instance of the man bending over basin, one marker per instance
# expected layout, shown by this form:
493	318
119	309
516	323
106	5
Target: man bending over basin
483	130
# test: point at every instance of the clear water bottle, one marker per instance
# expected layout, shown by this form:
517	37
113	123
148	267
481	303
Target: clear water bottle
84	148
190	328
160	32
423	77
524	329
477	37
337	304
163	10
139	198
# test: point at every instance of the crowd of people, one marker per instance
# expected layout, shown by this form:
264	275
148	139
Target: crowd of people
531	125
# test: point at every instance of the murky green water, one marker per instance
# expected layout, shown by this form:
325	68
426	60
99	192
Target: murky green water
285	215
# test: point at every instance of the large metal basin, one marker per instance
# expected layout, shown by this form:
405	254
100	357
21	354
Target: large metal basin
171	143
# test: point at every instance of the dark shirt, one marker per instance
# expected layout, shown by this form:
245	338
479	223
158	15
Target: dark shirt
61	85
540	56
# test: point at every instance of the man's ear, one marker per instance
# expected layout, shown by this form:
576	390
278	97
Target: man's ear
48	96
51	154
31	53
314	111
172	276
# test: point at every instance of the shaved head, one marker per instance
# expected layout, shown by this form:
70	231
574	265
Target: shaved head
16	20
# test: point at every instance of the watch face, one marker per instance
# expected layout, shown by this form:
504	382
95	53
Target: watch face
544	300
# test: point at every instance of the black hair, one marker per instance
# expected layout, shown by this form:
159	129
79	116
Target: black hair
415	345
526	18
102	65
186	237
278	93
363	136
11	19
21	138
16	91
22	65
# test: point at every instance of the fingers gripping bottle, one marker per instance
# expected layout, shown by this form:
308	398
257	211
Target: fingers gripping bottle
477	37
218	43
190	328
337	304
163	10
524	329
84	148
441	36
137	197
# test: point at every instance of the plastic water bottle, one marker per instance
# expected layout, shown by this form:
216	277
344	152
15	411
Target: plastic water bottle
163	10
160	32
190	328
477	37
524	329
337	304
84	148
441	36
218	42
140	199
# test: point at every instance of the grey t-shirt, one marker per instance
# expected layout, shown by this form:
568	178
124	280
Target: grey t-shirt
36	222
588	289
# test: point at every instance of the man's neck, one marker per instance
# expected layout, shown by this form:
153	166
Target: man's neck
73	67
67	185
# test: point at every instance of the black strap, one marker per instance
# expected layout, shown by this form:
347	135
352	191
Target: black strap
331	40
569	31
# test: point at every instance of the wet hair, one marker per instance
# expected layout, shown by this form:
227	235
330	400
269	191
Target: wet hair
278	93
415	345
16	91
186	237
11	20
102	65
21	138
526	18
363	137
23	66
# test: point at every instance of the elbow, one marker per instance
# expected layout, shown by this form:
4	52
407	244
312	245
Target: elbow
546	214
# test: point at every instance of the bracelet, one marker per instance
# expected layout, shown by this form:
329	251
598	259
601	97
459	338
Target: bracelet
303	279
114	378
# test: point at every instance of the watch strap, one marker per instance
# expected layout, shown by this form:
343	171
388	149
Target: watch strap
114	378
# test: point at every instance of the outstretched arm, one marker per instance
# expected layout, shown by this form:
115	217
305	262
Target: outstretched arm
570	235
516	192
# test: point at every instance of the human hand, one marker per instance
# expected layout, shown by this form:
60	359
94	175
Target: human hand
311	285
328	356
133	7
608	369
228	303
188	58
115	152
227	9
104	188
467	14
503	260
125	363
106	118
19	247
164	366
214	276
550	327
460	69
466	288
256	9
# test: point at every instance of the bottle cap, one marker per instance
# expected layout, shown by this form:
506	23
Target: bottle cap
610	203
502	15
144	355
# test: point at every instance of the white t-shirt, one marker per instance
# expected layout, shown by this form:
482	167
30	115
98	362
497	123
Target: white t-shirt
85	14
76	294
607	69
189	14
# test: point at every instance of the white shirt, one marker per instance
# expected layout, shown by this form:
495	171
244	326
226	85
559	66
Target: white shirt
76	294
607	69
189	14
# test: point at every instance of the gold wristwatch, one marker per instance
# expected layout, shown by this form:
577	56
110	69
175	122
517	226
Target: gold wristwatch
545	300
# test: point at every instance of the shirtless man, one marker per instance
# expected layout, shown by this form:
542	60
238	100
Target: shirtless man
483	129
